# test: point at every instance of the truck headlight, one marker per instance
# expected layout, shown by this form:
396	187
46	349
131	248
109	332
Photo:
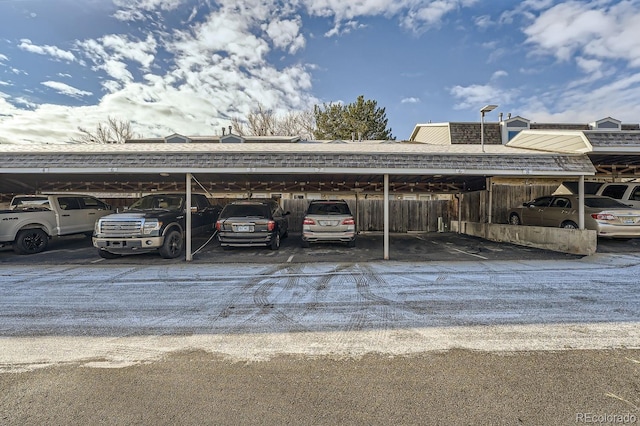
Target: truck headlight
96	228
151	226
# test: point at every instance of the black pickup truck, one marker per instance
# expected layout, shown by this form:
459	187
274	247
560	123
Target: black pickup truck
155	222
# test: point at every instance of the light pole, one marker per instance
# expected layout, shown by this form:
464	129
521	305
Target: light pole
486	108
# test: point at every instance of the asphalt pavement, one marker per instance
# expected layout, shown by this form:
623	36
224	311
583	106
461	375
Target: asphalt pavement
412	247
452	330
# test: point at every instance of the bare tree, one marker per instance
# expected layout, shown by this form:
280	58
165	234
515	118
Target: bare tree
113	131
300	123
264	122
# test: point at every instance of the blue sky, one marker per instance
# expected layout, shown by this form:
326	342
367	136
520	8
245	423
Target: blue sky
190	66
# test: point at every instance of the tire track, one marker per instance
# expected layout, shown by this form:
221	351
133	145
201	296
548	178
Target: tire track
367	275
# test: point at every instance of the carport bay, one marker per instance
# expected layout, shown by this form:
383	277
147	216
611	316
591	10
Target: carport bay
361	168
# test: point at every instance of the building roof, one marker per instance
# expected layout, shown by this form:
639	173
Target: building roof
456	133
606	141
290	158
567	141
574	141
318	167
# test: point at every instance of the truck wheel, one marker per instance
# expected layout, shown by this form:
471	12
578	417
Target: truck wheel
172	246
30	241
107	254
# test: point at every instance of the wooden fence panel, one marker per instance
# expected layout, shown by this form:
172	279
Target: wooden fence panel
507	196
473	205
404	215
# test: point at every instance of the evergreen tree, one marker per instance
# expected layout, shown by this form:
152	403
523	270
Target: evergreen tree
360	120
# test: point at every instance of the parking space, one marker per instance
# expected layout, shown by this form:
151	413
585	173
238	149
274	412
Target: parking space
610	245
413	247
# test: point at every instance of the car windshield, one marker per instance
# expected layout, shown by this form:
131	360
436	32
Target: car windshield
166	202
245	210
604	203
328	208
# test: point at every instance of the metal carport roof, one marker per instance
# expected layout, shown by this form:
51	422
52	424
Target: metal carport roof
349	165
613	153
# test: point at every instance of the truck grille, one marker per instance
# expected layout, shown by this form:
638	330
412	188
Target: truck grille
120	228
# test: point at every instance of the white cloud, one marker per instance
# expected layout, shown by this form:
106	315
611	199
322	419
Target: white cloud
499	74
590	29
138	10
285	34
218	69
26	45
483	21
65	89
415	15
110	53
597	47
617	99
477	95
410	100
195	78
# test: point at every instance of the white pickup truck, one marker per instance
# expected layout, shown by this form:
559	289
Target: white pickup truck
32	220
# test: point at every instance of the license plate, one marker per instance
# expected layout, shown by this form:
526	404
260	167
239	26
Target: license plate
328	223
244	228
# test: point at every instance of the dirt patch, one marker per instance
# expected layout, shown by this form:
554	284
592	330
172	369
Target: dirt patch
454	387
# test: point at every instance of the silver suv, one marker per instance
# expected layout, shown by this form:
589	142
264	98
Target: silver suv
328	221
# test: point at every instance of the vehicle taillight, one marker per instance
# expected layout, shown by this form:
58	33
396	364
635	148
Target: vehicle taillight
271	225
218	225
308	221
349	221
603	216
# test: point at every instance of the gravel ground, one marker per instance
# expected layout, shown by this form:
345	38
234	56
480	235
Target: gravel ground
453	387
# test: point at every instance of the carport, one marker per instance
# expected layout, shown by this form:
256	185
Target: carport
247	167
614	154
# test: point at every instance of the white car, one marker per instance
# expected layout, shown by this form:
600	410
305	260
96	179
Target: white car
328	221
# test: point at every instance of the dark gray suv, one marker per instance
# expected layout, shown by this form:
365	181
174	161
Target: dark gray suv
252	223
